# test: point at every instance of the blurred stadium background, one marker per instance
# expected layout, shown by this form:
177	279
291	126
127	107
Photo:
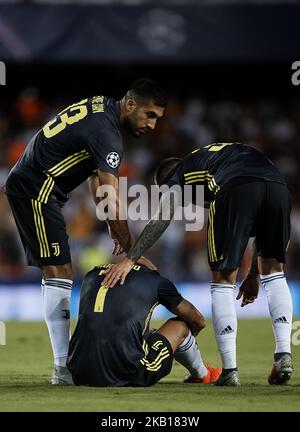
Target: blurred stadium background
226	68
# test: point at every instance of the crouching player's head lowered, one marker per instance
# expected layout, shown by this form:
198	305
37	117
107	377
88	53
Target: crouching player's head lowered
112	344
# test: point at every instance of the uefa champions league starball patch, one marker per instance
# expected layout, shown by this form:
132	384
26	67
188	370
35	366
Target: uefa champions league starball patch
113	159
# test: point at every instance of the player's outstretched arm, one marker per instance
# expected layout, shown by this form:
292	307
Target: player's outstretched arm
156	226
118	227
151	233
188	313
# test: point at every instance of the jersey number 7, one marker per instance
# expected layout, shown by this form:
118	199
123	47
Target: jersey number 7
100	299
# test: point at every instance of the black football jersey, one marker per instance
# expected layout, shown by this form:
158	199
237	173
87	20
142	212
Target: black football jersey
220	165
82	138
107	344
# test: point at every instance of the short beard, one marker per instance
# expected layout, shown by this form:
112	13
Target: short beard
133	132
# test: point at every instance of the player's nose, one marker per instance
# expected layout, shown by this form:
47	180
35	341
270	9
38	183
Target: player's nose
151	124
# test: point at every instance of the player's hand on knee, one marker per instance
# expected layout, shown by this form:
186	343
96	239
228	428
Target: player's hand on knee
249	289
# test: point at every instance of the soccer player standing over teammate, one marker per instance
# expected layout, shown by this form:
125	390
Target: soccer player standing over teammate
246	197
83	140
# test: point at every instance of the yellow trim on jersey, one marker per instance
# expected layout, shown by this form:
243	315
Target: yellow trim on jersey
211	182
68	162
209	235
198	179
197	176
145	348
37	228
74	162
213	186
213	234
211	240
46	190
57	170
64	161
157	359
157	344
193	173
40	229
155	365
148	318
205	176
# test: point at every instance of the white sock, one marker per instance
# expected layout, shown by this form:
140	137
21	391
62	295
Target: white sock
189	356
225	322
280	308
42	288
57	294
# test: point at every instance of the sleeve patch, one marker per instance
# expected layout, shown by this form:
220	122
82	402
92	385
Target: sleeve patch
113	159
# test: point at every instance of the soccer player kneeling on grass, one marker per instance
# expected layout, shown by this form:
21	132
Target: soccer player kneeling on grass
112	344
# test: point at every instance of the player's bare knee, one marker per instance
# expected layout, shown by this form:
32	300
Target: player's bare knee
225	276
179	326
58	272
185	330
267	266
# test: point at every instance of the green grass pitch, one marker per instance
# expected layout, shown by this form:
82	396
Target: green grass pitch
26	366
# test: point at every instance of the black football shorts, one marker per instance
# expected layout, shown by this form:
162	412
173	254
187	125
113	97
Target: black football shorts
42	230
259	209
157	362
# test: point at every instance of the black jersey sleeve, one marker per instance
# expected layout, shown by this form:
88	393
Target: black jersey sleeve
175	178
106	147
168	295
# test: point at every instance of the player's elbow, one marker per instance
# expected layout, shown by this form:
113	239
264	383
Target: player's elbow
198	325
201	324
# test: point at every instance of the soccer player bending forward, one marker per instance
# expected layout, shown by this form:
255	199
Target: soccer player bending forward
246	197
112	344
84	141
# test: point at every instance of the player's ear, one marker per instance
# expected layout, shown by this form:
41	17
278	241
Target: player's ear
130	105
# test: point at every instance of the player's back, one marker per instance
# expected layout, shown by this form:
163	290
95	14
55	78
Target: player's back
107	344
77	141
219	166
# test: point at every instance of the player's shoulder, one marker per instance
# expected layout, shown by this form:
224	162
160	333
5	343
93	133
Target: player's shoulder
104	110
102	104
150	278
138	269
96	272
216	149
190	160
162	282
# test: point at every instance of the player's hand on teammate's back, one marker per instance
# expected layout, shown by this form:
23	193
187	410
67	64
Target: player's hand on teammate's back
118	272
147	263
249	289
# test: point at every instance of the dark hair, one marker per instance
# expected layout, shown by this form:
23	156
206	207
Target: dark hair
147	90
165	169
